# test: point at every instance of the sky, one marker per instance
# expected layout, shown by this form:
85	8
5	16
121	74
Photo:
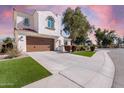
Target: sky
103	16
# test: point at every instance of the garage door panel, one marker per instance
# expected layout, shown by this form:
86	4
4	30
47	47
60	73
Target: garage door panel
39	44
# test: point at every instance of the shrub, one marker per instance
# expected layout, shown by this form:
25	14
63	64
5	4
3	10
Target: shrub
7	44
78	48
3	49
13	53
87	48
92	48
68	48
74	48
81	48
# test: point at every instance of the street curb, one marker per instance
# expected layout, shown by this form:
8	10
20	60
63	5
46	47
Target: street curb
101	78
106	74
113	66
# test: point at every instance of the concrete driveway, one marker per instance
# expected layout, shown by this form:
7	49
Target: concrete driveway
56	62
74	71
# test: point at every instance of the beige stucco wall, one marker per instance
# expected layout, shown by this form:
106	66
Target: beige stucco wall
35	18
38	22
42	23
58	41
19	20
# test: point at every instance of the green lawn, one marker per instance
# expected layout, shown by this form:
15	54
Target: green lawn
20	72
84	53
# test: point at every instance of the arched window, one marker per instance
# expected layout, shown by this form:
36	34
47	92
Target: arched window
50	22
26	22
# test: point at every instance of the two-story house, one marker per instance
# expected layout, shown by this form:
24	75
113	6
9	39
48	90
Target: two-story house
40	31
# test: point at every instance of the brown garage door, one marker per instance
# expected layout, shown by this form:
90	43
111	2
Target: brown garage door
39	44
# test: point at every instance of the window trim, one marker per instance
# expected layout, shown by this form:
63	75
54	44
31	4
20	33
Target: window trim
53	27
28	22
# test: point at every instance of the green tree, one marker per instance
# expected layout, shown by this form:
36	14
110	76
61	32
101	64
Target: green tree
99	34
104	37
76	23
81	40
108	37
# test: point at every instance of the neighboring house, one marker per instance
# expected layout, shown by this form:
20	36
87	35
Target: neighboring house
40	31
92	38
119	42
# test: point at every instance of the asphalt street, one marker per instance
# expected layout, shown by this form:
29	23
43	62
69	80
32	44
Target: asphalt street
117	56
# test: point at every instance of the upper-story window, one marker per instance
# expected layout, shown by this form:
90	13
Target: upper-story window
50	22
26	22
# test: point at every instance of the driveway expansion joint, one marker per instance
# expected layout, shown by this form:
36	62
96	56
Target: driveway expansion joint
71	80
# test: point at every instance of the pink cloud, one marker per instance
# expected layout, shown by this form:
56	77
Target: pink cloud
6	31
120	32
114	22
55	8
61	9
103	12
7	14
6	28
105	15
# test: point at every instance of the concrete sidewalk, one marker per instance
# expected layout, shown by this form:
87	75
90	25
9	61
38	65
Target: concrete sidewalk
75	71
